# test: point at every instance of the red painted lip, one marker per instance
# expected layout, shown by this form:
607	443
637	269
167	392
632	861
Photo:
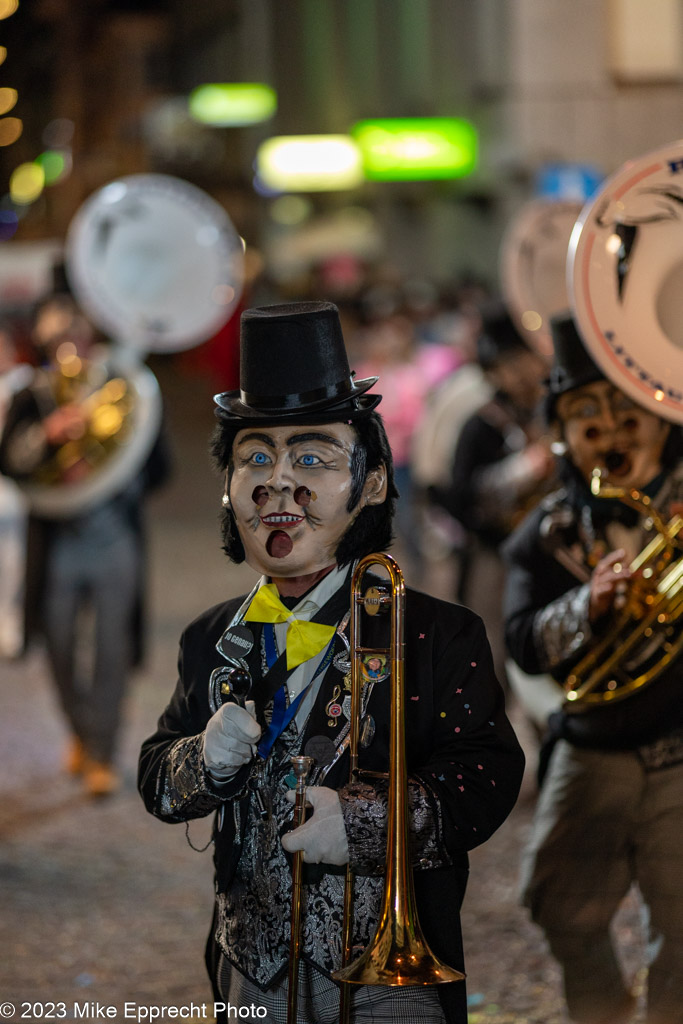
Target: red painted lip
281	520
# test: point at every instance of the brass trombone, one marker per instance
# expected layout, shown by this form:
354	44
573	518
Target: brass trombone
398	953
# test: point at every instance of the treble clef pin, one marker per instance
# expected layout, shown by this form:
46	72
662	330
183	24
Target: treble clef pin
334	709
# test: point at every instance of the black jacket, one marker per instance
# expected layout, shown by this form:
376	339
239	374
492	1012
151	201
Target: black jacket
460	746
479	493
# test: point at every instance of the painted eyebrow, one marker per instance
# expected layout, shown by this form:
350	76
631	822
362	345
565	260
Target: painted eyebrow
264	438
298	438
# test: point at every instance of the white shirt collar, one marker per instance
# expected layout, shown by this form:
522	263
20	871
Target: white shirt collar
312	602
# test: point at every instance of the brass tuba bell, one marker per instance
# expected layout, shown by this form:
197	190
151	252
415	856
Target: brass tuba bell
624	278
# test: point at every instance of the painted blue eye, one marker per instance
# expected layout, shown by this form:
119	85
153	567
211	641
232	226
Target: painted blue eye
309	460
260	458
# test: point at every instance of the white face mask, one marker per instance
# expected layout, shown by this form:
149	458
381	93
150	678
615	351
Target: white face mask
290	491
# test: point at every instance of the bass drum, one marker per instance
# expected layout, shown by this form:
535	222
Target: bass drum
533	262
625	280
157	265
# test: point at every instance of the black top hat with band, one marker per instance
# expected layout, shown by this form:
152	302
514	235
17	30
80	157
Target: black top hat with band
572	365
294	368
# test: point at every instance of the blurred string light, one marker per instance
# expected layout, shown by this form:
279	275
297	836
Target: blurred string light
7	8
309	163
8	99
59	133
55	165
232	104
416	149
26	183
29	179
9	222
3	54
10	130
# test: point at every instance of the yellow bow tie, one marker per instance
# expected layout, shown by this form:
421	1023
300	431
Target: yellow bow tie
304	639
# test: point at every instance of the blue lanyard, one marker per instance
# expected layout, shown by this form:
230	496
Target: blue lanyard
283	713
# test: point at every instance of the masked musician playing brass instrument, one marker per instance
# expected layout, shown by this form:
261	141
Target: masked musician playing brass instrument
61	427
309	491
610	810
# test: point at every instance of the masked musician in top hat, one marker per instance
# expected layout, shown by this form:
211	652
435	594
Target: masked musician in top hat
309	490
610	811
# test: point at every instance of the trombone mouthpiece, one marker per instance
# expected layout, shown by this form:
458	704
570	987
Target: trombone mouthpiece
301	766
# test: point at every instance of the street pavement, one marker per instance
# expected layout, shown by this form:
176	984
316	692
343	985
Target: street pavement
101	905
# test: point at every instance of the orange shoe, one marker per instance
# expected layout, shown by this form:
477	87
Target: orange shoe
74	762
100	779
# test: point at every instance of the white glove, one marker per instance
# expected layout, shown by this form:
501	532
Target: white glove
230	740
323	837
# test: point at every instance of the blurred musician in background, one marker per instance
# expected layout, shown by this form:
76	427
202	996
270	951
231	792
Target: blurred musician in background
14	375
610	811
501	467
88	559
308	491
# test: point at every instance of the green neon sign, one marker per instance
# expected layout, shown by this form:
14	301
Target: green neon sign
416	148
230	104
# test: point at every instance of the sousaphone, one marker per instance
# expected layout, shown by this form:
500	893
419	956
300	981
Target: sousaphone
625	279
625	283
533	262
157	265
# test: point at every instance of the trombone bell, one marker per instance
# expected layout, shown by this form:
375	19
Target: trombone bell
398	956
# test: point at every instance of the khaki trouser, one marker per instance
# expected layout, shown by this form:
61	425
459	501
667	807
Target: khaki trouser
603	823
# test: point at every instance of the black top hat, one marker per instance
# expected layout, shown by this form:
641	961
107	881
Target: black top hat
572	366
294	367
498	338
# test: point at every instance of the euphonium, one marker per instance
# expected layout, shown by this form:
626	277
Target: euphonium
106	404
122	416
398	953
646	634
